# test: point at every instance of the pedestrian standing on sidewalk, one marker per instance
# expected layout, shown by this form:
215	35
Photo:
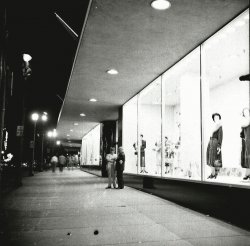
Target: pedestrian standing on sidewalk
54	161
62	162
111	161
120	164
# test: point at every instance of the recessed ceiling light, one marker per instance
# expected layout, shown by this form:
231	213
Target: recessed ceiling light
82	114
161	4
112	71
75	124
92	100
71	130
68	135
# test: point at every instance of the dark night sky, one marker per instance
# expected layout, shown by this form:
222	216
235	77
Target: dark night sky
34	29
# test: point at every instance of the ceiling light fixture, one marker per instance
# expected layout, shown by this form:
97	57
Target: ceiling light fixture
92	100
71	130
82	114
68	135
112	71
75	124
161	4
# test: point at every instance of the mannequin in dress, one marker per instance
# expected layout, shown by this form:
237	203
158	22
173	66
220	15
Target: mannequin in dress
142	152
214	159
157	150
245	135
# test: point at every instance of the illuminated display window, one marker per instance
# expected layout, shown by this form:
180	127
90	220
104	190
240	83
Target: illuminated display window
193	121
90	151
226	139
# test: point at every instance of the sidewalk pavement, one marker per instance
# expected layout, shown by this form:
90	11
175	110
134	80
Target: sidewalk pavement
74	208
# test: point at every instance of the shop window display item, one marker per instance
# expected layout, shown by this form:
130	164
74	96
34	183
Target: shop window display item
142	153
245	136
214	159
157	150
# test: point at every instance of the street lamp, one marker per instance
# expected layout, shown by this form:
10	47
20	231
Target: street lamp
26	57
34	117
44	119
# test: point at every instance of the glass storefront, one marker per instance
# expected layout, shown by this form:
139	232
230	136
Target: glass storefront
149	122
181	118
193	121
90	151
225	57
129	127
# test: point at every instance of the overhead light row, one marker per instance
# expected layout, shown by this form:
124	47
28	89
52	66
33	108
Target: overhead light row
157	4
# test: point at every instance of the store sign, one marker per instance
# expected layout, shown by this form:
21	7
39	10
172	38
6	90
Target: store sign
19	131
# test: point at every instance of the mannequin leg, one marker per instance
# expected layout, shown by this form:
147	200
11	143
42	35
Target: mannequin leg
247	174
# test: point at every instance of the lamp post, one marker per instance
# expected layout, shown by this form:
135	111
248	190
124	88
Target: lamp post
44	119
34	117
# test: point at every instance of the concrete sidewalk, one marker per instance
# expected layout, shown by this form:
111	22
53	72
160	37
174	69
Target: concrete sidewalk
66	208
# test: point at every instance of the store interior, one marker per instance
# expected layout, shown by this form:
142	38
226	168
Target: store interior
168	126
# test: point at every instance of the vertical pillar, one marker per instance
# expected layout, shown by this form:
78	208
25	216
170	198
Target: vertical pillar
108	139
120	119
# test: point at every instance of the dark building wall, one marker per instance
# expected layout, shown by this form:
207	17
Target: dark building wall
108	140
120	127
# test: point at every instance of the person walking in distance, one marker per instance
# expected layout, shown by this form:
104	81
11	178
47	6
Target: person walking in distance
62	162
120	163
111	160
54	161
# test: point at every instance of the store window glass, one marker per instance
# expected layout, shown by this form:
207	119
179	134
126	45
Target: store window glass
91	147
182	119
149	134
129	135
226	134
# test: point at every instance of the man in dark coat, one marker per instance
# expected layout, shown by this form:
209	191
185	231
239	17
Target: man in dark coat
120	164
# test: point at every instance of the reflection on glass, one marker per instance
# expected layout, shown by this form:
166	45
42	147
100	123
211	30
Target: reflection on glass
182	126
90	151
130	135
224	98
150	129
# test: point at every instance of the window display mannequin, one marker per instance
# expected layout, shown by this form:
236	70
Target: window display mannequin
214	159
245	135
142	152
169	155
136	152
157	150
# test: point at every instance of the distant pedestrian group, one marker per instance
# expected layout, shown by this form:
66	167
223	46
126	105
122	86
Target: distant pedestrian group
70	161
115	167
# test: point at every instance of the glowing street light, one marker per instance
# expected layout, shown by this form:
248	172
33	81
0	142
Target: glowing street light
44	117
26	57
35	117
